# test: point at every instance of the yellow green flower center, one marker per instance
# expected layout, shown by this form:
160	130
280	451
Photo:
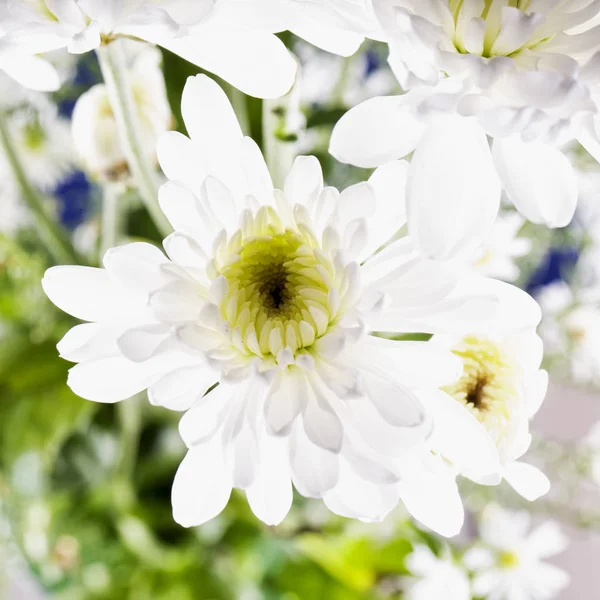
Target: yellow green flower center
508	560
34	135
487	386
282	291
491	41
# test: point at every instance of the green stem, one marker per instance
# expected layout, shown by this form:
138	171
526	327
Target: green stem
53	235
129	414
116	78
111	217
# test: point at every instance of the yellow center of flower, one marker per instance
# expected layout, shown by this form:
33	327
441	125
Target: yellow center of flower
282	290
508	560
487	386
481	32
34	136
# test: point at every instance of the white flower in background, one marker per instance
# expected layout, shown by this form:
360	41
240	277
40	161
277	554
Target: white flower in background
496	258
515	73
94	126
435	577
510	562
327	79
571	329
273	294
43	140
503	387
231	38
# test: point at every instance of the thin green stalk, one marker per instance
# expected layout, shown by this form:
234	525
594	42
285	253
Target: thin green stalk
130	421
111	217
116	78
53	235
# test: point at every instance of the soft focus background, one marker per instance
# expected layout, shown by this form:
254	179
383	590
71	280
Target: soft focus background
85	488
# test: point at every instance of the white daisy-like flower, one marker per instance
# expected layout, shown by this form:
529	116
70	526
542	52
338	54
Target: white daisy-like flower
496	258
230	38
434	577
515	72
275	296
503	387
571	329
510	562
94	127
43	141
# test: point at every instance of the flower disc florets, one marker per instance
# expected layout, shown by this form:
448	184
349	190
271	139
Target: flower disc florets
488	386
282	291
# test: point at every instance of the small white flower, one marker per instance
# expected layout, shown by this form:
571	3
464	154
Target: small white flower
275	296
510	563
503	387
435	577
43	141
515	73
235	40
496	258
94	126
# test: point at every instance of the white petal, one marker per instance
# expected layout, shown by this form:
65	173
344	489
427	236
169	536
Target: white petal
538	178
257	173
180	389
31	72
286	398
433	499
116	378
389	187
207	413
314	470
376	132
355	498
202	485
209	117
137	265
459	437
527	480
453	191
180	159
257	63
304	182
84	292
547	540
270	495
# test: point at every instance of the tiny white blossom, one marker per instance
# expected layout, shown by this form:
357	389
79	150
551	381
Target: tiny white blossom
509	563
434	577
94	126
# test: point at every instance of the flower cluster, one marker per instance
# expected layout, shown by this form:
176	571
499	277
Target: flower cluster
371	346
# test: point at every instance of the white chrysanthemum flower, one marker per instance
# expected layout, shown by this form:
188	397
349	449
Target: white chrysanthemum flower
496	258
44	144
274	295
94	127
434	577
512	71
510	562
503	387
230	38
